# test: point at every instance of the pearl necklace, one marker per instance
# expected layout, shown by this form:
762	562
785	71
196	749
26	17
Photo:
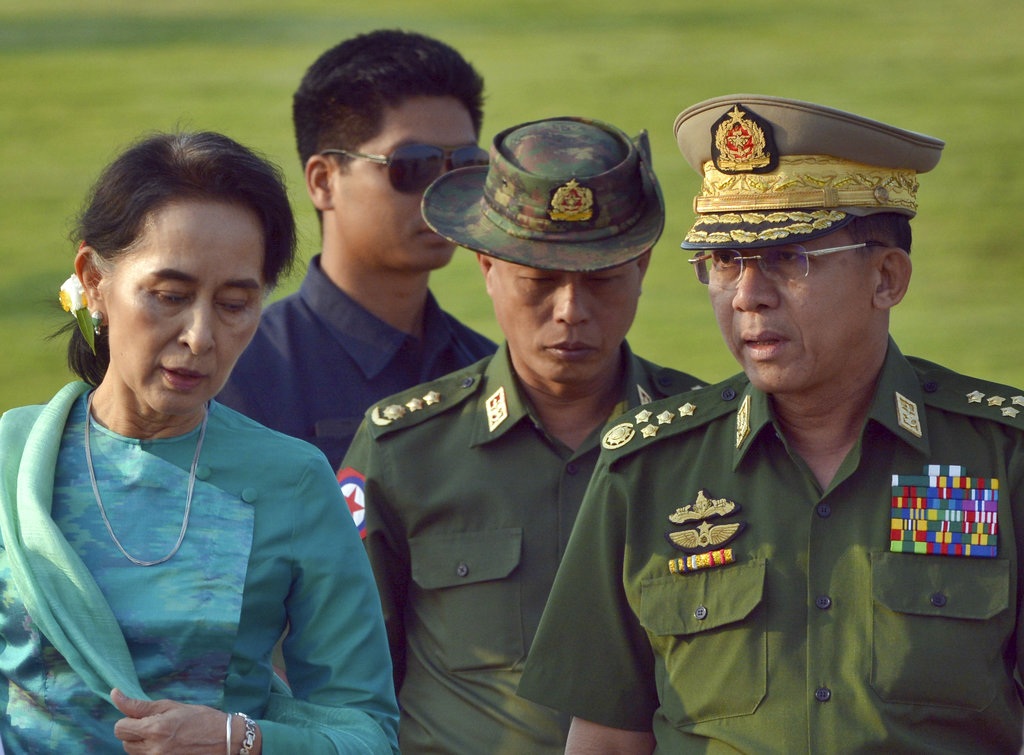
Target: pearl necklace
99	501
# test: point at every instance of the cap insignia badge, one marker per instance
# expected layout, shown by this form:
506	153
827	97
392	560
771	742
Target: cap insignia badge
572	202
742	142
706	535
944	512
743	421
906	415
497	409
618	436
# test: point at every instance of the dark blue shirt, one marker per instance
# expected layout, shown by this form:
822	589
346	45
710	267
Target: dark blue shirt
319	360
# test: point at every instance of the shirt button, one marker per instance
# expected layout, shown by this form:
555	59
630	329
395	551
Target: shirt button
728	394
823	602
930	387
824	510
938	600
701	613
571	468
467	382
664	380
823	694
462	569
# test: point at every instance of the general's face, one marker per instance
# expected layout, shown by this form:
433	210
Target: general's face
564	329
817	333
375	226
179	310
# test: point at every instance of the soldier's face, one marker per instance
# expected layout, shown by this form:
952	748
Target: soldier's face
819	333
564	329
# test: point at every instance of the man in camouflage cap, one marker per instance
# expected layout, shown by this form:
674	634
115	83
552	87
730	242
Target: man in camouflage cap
822	553
472	482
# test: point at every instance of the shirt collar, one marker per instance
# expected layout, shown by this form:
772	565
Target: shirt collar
505	404
368	340
897	405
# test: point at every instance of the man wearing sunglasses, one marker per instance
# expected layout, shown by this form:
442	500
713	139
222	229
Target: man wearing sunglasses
377	118
822	553
473	480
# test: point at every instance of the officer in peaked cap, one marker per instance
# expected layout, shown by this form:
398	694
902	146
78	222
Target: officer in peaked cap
822	553
470	484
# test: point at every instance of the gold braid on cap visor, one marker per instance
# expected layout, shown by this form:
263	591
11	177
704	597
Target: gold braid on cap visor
793	193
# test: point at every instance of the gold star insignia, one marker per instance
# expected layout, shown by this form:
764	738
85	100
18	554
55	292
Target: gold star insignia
1009	411
687	410
642	416
432	398
649	431
1017	400
666	417
394	411
975	397
414	404
996	400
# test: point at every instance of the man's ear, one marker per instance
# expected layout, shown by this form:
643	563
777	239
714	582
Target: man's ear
486	266
318	181
894	269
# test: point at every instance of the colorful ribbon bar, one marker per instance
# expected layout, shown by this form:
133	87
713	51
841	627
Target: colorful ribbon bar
928	525
700	561
944	549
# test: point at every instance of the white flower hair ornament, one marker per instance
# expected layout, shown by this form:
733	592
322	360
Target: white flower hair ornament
73	299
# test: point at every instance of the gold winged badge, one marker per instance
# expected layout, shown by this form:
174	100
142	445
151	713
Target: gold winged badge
706	535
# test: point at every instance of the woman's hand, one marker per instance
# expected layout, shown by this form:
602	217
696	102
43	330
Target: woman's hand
164	726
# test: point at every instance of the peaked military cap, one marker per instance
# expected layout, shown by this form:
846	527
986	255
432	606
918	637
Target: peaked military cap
560	194
779	171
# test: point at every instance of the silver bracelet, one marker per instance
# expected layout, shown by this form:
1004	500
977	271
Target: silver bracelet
250	735
227	735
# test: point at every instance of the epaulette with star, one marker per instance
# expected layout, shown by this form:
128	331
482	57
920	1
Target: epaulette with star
419	404
962	394
681	413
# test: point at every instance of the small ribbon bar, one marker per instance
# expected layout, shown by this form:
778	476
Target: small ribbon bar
700	561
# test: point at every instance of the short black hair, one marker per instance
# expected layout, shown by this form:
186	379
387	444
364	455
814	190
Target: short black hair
342	97
160	169
891	227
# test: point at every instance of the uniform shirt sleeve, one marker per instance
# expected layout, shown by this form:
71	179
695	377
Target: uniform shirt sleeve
386	546
591	657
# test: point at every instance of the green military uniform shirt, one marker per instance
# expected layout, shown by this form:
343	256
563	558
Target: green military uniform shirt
469	504
820	623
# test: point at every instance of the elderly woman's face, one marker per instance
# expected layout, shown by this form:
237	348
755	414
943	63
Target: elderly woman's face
179	309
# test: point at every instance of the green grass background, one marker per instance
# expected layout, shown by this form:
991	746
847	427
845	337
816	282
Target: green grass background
80	79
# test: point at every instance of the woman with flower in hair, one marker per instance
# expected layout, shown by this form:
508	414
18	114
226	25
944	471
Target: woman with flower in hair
156	544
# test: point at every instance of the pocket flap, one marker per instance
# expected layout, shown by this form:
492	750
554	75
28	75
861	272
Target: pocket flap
701	600
461	558
955	586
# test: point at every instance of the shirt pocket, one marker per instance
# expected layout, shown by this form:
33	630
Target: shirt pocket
937	636
709	628
468	604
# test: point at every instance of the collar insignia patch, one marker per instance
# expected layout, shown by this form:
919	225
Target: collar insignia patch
906	415
644	396
945	512
497	409
743	421
742	142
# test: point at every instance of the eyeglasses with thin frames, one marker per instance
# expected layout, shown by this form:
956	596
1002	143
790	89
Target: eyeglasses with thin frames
723	268
413	167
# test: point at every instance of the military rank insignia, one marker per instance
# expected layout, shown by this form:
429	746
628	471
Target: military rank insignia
945	512
497	409
702	540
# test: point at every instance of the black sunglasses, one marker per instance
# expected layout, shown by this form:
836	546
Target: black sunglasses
413	167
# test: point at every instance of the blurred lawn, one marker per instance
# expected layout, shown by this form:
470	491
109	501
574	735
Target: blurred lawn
80	79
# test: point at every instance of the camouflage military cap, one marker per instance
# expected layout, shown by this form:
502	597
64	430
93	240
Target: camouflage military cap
559	194
778	170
